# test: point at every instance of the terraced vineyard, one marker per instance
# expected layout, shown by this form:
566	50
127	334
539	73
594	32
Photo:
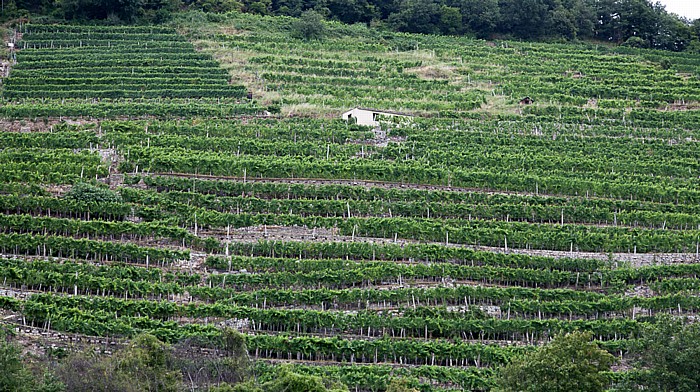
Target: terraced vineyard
450	76
435	252
116	72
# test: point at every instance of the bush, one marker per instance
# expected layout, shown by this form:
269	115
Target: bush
310	26
146	365
571	362
666	357
636	42
286	381
15	376
89	193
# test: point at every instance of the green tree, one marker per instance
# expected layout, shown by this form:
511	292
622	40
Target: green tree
122	10
636	42
666	357
524	18
260	7
244	387
85	371
289	7
351	11
219	6
14	376
450	20
417	16
571	362
310	26
561	22
694	45
147	360
695	28
671	33
583	15
480	16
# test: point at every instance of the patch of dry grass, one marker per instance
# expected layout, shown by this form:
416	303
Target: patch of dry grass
308	110
433	72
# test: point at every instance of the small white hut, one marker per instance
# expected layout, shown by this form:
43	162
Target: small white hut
371	117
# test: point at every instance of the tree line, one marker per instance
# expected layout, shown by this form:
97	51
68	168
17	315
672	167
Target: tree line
640	23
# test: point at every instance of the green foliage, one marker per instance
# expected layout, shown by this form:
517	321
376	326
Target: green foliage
14	377
243	387
259	7
615	21
233	343
88	193
400	385
562	22
570	362
286	380
636	42
480	16
117	12
417	16
310	26
219	6
50	383
523	18
352	11
450	20
667	357
147	361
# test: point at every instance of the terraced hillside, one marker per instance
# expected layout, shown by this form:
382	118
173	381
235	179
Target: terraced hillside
116	72
446	76
433	251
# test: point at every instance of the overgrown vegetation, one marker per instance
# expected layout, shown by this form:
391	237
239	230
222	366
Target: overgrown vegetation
309	26
89	193
571	362
635	22
665	358
16	375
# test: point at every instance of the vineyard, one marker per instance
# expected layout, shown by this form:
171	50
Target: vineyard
451	76
143	190
102	72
